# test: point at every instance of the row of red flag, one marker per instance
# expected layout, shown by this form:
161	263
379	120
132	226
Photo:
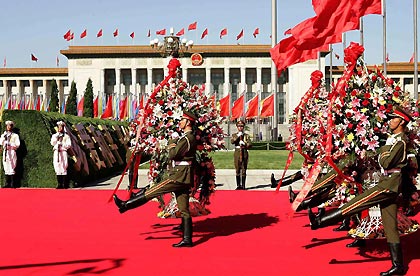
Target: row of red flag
69	35
252	111
315	34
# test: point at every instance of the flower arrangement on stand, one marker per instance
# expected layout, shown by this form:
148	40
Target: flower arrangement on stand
160	119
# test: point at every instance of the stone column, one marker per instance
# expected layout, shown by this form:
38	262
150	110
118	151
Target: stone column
226	85
102	83
134	82
117	82
149	84
243	81
184	74
208	81
259	80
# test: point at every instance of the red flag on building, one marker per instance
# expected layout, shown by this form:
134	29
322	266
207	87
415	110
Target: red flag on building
205	32
257	31
132	35
80	107
57	61
4	62
238	108
241	34
411	59
108	110
192	26
223	32
387	57
225	106
148	33
83	34
95	107
252	111
66	35
115	32
34	58
123	109
70	37
99	34
267	109
38	103
161	32
181	32
141	104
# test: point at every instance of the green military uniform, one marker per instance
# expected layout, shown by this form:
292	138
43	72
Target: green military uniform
242	142
180	179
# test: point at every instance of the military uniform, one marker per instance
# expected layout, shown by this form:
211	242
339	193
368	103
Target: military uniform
9	141
242	142
61	142
132	176
180	179
392	158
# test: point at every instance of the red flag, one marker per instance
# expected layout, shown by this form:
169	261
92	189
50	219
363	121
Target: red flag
108	110
225	106
83	34
70	37
288	32
205	32
66	35
148	34
387	57
192	26
181	32
267	108
252	108
116	32
34	58
141	104
57	61
241	34
161	32
132	35
123	109
38	103
4	62
238	108
411	59
95	107
80	106
337	56
223	32
256	31
99	34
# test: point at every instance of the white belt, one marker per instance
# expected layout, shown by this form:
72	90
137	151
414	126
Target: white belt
391	171
237	147
181	163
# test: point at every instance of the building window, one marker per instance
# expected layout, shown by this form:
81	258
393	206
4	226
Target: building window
196	76
217	79
234	80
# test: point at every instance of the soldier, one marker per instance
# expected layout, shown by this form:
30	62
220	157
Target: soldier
61	142
242	142
132	176
392	158
9	142
180	178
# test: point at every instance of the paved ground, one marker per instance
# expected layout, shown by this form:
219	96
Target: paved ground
225	180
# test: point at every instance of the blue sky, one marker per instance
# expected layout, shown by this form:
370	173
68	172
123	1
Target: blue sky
37	27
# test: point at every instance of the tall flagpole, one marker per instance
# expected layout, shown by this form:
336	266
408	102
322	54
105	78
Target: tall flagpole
384	34
361	36
415	82
331	61
344	47
273	67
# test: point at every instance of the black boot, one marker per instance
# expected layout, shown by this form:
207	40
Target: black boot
357	243
243	182
132	203
179	227
9	181
59	182
345	225
292	195
273	181
187	239
140	192
65	182
397	260
238	182
328	219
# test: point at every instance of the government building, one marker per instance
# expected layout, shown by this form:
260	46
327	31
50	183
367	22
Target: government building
134	71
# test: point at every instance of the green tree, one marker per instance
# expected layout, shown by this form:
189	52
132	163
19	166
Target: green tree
54	102
71	104
88	102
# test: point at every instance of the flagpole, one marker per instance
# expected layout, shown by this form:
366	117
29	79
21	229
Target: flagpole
273	66
415	82
344	47
361	36
384	35
331	60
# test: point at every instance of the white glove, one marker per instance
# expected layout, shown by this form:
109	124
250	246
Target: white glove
240	133
242	143
175	135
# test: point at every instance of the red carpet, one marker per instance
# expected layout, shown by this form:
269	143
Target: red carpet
76	232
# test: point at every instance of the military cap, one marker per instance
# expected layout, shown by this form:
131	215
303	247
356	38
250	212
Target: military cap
9	123
399	112
240	123
61	123
189	116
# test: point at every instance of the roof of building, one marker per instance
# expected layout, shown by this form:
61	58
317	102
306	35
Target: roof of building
391	68
142	50
5	72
